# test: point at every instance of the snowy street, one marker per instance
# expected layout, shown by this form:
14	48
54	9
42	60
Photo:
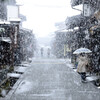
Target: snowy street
50	50
52	79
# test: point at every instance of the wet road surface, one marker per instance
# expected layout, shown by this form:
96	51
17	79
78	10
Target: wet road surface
53	79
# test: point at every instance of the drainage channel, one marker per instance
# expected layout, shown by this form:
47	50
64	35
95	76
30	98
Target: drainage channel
7	85
11	79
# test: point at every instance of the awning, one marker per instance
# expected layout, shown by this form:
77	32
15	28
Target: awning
6	39
76	2
74	21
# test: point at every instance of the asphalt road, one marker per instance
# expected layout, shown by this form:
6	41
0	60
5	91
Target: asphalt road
53	79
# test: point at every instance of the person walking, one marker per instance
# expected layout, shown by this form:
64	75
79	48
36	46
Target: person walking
81	68
48	52
42	50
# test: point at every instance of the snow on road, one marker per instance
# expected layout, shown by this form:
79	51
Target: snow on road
53	79
24	86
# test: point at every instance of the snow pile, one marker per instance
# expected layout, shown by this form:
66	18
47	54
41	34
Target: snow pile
20	69
15	75
24	87
3	93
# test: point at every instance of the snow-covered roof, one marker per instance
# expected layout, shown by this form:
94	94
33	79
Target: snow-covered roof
4	22
63	31
25	65
60	25
20	69
14	75
6	39
14	19
74	21
76	2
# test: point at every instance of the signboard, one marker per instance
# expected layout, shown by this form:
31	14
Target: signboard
15	39
12	12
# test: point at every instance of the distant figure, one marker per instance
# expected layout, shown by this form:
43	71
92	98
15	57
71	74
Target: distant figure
42	52
48	52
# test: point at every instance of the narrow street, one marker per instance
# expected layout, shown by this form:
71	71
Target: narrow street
36	39
52	79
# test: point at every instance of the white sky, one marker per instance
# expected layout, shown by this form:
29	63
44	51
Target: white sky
43	14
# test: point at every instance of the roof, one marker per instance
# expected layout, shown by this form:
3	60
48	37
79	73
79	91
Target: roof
4	22
60	25
63	31
6	39
14	19
74	21
20	69
14	75
76	2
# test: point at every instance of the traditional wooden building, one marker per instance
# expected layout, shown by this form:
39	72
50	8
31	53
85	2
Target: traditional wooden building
91	29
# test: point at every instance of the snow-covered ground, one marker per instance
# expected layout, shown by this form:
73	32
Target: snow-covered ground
53	79
24	86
